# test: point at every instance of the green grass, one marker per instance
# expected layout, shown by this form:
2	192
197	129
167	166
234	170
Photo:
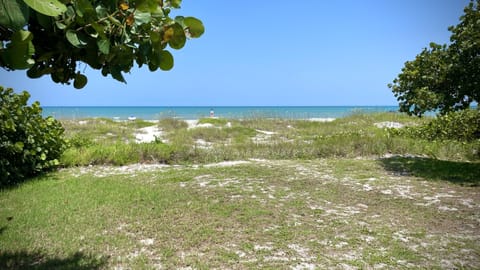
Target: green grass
307	194
270	214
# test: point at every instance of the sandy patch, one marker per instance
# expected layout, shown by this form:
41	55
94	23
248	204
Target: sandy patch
195	124
227	163
389	125
265	132
328	119
148	134
199	143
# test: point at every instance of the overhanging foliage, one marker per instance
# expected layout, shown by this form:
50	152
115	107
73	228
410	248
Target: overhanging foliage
52	37
444	77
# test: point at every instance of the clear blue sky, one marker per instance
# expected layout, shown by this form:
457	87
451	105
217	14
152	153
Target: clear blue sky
312	52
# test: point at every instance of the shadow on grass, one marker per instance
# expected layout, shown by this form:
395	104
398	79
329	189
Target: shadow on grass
462	173
22	181
35	260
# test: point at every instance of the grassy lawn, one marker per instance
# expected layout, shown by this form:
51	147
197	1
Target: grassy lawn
248	194
280	214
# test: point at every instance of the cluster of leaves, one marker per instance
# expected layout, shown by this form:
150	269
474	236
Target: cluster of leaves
29	143
52	37
444	78
460	126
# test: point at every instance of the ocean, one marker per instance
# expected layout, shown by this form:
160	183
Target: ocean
190	113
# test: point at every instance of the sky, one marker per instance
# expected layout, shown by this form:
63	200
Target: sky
272	53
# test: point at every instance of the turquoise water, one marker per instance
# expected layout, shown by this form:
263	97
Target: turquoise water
188	113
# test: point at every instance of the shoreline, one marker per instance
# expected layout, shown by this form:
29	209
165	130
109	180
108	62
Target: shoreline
192	112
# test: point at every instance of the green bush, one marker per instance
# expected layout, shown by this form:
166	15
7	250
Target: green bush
460	126
29	143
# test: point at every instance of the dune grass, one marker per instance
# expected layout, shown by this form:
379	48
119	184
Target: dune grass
103	141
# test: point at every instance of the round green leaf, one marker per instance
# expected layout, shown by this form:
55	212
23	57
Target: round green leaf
178	39
166	60
47	7
142	17
175	3
195	26
75	39
80	81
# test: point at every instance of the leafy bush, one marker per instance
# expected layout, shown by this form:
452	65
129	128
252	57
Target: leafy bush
460	126
29	143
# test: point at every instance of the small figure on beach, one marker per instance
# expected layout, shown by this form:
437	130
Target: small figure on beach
212	113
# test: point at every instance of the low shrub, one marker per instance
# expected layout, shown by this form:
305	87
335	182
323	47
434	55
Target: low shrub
460	126
29	143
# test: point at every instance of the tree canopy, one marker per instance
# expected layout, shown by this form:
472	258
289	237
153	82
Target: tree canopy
444	77
54	36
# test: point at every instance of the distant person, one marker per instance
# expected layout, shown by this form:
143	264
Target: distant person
212	113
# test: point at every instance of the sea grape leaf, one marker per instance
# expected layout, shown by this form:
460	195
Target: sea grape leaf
80	81
13	14
19	52
178	39
195	26
142	17
146	5
75	39
175	3
47	7
166	60
104	46
117	74
85	8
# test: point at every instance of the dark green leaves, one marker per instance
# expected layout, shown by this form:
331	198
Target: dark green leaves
76	39
13	14
106	35
84	8
80	81
19	52
47	7
444	77
29	143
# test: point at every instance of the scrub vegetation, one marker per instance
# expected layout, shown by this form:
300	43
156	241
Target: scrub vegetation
104	141
254	193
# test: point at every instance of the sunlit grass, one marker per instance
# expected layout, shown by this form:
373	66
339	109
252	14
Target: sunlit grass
320	213
103	141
